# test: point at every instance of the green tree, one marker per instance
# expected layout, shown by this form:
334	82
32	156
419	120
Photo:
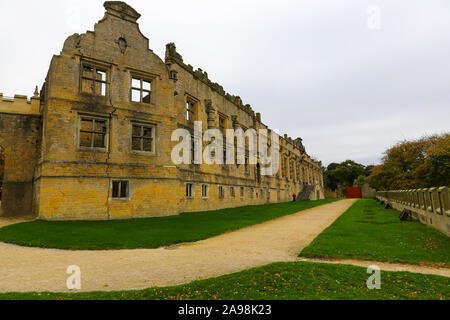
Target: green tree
330	179
343	174
347	172
360	181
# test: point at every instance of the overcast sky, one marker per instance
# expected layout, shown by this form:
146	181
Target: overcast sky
320	70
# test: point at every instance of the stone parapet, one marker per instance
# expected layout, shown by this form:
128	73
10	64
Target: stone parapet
20	104
430	206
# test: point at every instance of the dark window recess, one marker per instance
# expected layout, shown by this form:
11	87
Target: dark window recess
189	190
232	194
205	191
120	190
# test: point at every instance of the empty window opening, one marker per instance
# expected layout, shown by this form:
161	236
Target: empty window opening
221	193
141	90
191	110
120	190
205	191
93	80
190	191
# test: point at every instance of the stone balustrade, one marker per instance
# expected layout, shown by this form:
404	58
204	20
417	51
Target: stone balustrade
430	205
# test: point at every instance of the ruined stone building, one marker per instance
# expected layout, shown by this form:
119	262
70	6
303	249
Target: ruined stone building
95	142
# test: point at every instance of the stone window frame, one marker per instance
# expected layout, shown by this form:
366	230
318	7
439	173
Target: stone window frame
247	165
79	130
223	130
142	90
205	191
284	167
242	193
173	75
190	190
191	109
252	193
221	192
148	125
120	184
232	192
247	152
95	66
193	140
291	170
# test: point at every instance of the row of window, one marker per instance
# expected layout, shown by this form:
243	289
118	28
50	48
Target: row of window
120	190
221	192
94	80
94	134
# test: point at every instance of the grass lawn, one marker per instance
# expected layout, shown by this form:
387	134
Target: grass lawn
280	281
145	233
370	232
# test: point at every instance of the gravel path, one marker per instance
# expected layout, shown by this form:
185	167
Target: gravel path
33	269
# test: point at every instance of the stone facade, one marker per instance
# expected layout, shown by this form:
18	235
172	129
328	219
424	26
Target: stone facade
98	145
20	124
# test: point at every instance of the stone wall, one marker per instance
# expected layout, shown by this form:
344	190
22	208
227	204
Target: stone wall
19	136
429	206
368	192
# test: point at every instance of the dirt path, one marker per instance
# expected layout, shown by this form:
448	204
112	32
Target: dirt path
386	266
30	269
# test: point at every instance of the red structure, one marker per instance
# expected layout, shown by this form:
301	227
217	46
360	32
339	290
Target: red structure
353	193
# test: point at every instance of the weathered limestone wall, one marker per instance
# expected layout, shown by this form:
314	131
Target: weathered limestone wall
429	206
19	104
368	192
19	136
329	194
